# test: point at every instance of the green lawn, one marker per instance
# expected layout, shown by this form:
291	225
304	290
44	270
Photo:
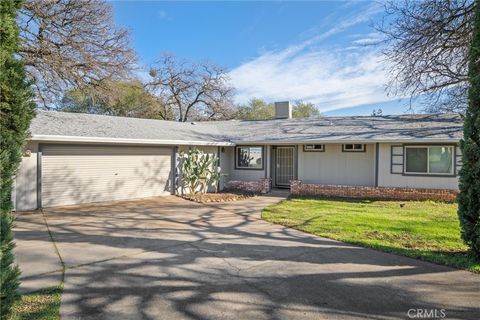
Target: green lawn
39	305
421	229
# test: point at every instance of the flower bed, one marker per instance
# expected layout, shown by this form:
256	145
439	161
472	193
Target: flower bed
217	197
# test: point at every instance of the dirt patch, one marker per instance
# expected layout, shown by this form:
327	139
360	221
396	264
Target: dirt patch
217	197
405	239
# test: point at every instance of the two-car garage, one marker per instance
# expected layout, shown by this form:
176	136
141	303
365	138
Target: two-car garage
75	174
77	158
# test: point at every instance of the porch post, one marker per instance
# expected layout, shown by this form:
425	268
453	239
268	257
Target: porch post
295	163
266	160
39	176
173	169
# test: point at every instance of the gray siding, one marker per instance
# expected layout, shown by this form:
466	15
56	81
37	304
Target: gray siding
336	167
244	174
26	180
388	179
226	163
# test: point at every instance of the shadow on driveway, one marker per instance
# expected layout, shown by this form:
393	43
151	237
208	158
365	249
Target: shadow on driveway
167	258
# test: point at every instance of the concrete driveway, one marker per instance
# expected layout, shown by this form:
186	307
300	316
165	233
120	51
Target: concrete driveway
167	258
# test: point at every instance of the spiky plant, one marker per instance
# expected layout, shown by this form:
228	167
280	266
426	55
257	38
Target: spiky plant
198	170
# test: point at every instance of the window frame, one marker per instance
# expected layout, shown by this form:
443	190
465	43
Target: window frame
248	168
453	172
364	147
313	150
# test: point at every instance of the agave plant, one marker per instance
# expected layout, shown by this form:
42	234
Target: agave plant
199	169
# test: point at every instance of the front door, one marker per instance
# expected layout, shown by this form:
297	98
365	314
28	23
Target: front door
284	166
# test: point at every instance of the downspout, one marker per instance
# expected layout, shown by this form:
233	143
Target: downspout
173	169
39	176
219	168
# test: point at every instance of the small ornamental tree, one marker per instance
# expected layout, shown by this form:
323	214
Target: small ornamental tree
469	196
199	169
16	112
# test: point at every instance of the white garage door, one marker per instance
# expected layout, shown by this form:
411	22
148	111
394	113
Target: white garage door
83	174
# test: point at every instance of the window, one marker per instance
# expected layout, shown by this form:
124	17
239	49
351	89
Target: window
249	157
314	147
429	160
353	147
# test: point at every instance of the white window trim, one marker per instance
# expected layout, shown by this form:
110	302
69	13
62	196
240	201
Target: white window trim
428	173
322	149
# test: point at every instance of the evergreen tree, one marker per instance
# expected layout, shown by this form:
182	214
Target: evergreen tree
16	112
469	197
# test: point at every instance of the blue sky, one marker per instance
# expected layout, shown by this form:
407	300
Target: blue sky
313	51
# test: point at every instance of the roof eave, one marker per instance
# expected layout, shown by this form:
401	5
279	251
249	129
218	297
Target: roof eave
158	142
293	141
81	139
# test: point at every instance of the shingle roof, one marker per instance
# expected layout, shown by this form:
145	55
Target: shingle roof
422	127
52	123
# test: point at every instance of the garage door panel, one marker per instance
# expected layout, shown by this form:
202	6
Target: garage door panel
82	174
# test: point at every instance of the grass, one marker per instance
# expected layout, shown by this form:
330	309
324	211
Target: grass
38	305
424	230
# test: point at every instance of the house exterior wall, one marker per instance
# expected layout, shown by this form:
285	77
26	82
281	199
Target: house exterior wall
388	179
263	185
25	192
297	188
244	174
226	165
334	167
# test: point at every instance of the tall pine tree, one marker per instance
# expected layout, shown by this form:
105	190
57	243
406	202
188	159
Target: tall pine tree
469	197
16	112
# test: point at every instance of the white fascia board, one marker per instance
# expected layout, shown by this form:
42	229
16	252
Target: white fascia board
77	139
290	142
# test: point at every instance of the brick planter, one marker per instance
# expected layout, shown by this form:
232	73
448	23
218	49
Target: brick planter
257	186
297	188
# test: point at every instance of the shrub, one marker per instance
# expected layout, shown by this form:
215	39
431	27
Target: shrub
469	196
16	112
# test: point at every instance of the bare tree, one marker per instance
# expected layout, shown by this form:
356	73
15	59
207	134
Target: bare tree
71	43
427	45
192	91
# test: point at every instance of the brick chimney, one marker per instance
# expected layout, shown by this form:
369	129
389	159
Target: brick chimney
283	110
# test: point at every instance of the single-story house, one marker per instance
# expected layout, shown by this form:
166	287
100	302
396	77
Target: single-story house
74	158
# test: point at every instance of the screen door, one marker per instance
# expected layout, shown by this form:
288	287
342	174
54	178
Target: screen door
284	166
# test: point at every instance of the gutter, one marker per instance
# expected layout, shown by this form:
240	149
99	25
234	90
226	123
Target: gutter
79	139
290	142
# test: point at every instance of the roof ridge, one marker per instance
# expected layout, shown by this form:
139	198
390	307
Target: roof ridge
406	115
103	116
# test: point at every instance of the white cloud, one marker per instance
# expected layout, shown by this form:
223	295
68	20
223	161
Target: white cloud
332	78
368	39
